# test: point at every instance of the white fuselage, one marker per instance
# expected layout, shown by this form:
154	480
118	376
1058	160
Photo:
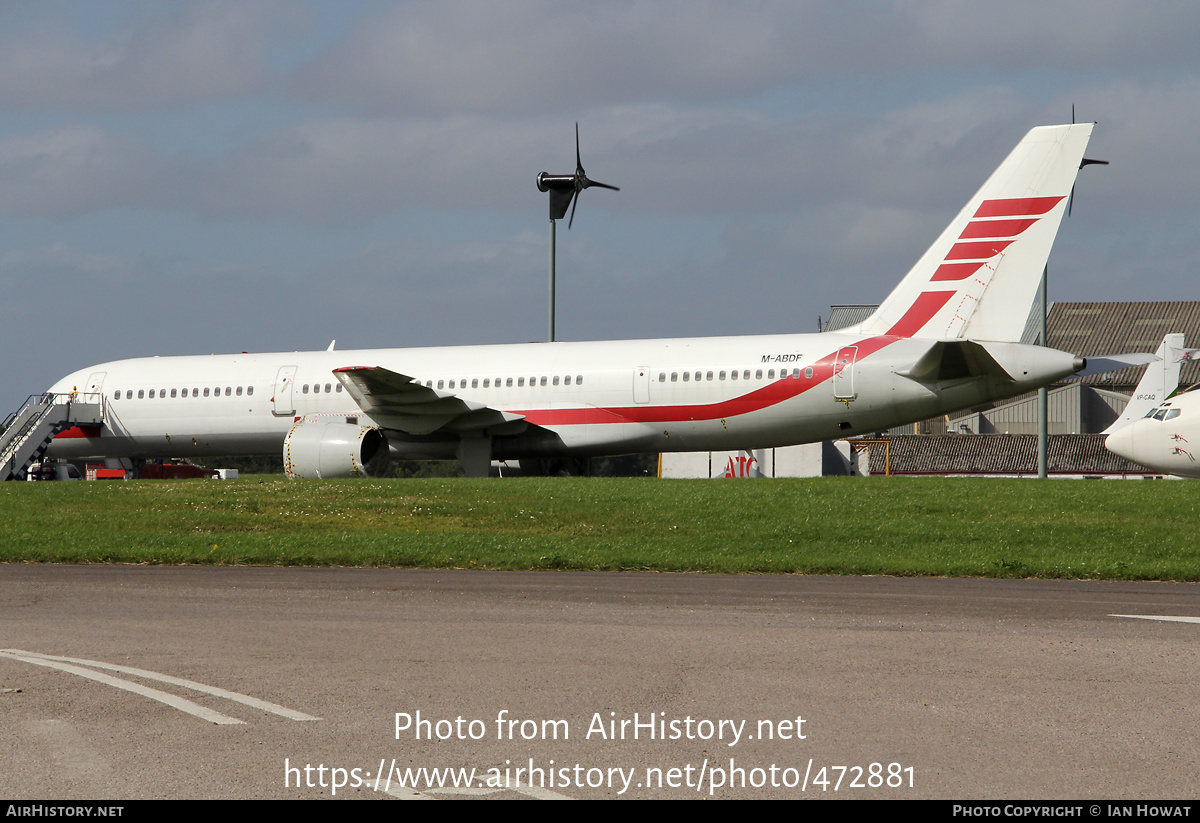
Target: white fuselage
1167	440
577	398
927	350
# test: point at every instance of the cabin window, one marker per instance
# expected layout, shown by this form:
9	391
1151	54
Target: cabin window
487	382
758	374
129	394
507	382
206	391
579	380
722	376
687	375
305	389
708	376
440	384
520	381
733	375
556	379
674	376
808	373
543	381
662	377
174	392
239	390
475	382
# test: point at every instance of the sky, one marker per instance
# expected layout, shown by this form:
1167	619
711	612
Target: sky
205	177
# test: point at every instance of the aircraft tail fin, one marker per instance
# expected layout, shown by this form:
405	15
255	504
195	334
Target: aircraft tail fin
1159	383
981	276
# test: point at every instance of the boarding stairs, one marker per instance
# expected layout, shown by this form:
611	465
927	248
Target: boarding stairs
27	433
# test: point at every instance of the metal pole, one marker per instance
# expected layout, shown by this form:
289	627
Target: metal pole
551	279
1043	393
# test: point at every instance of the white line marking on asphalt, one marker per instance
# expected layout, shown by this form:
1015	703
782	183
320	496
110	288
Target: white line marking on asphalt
254	702
137	688
1167	617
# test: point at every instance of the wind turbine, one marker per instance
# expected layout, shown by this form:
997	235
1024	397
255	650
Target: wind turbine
563	189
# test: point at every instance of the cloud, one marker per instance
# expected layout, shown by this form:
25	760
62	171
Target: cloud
156	58
476	57
539	56
667	160
75	169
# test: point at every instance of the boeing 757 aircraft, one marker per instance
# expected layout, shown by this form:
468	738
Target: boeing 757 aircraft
944	339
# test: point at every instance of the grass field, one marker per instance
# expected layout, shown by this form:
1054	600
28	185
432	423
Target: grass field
1129	530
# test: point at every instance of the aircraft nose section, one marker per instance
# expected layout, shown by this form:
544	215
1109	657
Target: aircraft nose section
1121	442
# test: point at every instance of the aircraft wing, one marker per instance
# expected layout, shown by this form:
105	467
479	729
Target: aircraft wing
397	401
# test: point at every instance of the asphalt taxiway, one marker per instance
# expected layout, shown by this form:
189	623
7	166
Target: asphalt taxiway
595	685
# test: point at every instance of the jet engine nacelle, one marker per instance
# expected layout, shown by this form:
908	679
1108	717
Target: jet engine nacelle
324	449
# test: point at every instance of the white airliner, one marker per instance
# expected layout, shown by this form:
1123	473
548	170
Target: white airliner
1160	429
943	340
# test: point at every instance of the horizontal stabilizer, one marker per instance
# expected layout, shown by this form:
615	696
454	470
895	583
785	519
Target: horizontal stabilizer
1116	362
954	360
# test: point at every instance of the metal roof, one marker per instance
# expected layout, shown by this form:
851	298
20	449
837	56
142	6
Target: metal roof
1094	329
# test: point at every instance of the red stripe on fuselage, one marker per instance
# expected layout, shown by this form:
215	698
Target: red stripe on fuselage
770	395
